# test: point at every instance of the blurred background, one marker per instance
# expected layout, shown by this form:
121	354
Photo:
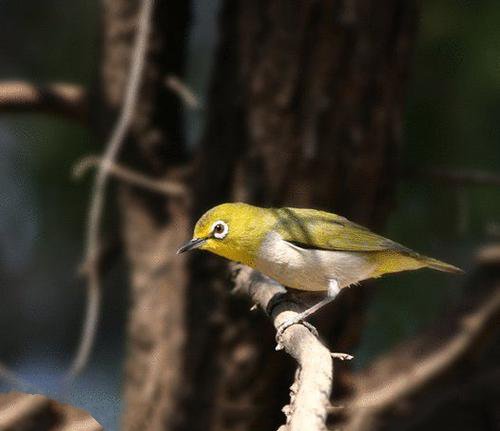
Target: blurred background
450	122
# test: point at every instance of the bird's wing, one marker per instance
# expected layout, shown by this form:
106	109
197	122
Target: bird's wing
315	229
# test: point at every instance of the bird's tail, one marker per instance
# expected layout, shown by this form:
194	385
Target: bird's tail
408	260
429	262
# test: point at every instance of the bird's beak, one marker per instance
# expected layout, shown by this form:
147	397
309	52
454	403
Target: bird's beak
191	245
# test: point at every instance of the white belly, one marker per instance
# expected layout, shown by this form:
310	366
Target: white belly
308	269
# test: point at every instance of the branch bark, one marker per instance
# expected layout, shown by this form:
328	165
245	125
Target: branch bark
152	225
313	88
406	371
63	99
26	412
189	98
454	177
132	177
310	393
112	149
310	87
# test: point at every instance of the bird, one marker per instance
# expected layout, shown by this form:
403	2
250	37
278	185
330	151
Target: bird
304	249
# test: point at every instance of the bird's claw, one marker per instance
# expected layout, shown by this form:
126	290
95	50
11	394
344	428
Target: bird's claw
292	321
311	328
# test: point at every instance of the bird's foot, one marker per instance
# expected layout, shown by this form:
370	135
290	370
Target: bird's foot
298	319
342	356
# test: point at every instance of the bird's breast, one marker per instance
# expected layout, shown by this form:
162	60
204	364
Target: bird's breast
310	269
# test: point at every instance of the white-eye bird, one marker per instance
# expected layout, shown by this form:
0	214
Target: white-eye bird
304	249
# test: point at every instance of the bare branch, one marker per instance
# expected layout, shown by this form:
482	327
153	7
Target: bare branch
187	95
99	188
310	393
165	187
18	409
67	100
488	255
472	328
455	177
397	382
21	411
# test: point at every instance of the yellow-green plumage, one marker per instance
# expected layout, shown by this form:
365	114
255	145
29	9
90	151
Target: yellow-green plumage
299	247
328	231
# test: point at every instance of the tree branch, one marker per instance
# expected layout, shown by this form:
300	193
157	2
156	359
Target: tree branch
99	189
66	100
165	187
410	368
310	393
26	412
473	327
454	177
190	99
16	410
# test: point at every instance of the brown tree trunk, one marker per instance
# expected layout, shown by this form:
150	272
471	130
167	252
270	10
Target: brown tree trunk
152	225
305	110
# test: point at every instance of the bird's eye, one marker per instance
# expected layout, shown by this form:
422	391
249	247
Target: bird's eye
219	229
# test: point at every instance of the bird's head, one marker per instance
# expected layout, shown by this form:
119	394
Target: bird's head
232	230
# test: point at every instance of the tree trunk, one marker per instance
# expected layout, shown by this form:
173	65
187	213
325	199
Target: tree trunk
152	225
305	110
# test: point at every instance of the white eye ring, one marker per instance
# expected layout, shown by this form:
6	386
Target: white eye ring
219	234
